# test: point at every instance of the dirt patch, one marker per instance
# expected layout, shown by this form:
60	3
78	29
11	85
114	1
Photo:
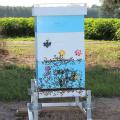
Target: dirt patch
3	53
7	110
104	109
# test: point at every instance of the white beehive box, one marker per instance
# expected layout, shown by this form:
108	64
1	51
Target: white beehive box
60	51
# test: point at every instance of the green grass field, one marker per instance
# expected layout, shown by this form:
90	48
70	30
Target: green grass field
17	39
17	68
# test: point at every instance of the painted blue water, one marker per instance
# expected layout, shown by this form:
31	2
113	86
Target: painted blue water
61	74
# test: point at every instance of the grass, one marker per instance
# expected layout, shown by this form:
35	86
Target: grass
14	82
103	53
17	39
27	38
17	68
104	82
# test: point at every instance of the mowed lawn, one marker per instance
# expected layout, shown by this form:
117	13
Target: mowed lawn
17	68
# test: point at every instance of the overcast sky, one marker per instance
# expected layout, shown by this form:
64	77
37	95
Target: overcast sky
32	2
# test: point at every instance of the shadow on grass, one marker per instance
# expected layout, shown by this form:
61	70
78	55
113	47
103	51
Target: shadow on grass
14	82
104	82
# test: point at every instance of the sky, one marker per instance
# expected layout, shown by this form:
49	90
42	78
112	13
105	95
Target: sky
32	2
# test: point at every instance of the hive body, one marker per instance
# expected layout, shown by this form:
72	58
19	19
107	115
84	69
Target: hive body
60	50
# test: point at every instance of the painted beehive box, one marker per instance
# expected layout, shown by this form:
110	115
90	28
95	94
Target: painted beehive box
60	51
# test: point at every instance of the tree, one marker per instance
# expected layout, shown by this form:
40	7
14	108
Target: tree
94	12
111	8
7	11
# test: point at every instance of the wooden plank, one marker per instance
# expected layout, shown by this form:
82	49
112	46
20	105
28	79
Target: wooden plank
60	93
65	104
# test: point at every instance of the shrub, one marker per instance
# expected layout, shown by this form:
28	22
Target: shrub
101	29
98	29
117	34
17	27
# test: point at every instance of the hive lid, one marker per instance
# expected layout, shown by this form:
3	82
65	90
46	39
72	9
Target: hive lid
59	9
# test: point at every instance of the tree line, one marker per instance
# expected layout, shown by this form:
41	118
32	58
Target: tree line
7	11
108	9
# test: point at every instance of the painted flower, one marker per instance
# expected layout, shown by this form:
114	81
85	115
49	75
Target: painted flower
78	52
47	68
61	53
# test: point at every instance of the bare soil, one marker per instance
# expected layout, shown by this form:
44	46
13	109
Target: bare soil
103	109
